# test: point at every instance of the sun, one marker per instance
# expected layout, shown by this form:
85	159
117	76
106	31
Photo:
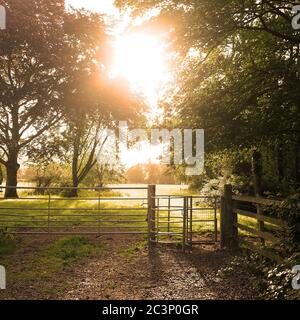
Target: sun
140	59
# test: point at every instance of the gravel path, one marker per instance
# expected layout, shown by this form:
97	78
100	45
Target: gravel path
162	273
126	269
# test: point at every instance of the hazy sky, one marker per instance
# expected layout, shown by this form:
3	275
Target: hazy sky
104	6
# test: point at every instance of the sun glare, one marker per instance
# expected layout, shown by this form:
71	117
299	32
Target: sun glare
140	59
143	154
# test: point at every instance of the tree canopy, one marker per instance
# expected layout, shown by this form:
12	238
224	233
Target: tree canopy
51	62
237	74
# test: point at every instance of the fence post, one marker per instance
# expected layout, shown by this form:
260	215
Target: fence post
191	221
184	224
229	232
151	213
49	211
257	174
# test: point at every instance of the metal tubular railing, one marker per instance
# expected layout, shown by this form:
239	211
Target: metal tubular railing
178	216
164	218
203	215
52	214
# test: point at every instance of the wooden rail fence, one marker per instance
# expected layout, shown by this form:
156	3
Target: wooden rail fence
233	207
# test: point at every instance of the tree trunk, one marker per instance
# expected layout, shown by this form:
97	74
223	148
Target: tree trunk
257	173
12	165
280	162
1	174
75	184
297	164
75	160
12	168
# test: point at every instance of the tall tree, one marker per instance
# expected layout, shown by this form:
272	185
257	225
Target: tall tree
41	47
238	75
96	104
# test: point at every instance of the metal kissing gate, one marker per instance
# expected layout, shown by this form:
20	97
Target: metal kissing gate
185	220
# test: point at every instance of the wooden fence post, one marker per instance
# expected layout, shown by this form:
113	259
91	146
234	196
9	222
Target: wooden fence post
151	213
229	231
257	177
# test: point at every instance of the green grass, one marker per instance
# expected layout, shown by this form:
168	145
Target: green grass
252	223
51	259
103	193
7	242
81	193
68	250
185	192
133	249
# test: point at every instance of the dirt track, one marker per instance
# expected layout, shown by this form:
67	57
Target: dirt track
160	274
127	269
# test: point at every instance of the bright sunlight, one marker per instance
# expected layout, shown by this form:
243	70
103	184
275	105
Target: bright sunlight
140	59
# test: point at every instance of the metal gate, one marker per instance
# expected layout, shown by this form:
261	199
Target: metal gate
185	220
96	211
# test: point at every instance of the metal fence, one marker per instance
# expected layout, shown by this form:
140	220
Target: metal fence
164	218
186	219
94	211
